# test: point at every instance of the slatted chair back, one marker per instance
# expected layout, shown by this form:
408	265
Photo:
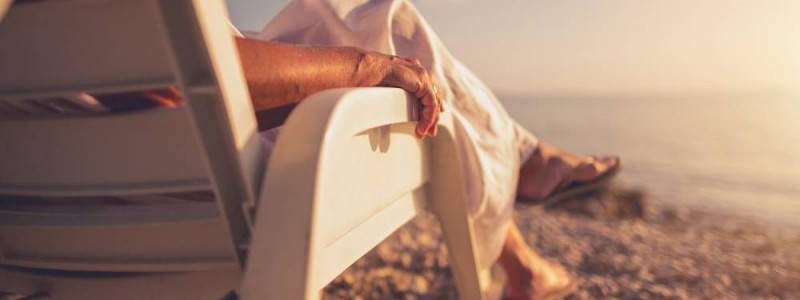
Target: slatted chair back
59	48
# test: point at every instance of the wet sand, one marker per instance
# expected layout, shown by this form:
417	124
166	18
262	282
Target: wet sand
616	243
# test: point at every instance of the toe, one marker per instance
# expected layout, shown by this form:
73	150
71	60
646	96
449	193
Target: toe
593	167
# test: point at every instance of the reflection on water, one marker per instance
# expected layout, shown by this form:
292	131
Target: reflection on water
737	155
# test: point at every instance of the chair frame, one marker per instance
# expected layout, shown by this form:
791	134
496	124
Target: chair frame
294	205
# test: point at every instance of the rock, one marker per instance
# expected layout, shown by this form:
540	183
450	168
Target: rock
405	260
676	215
597	264
419	285
401	283
665	273
660	291
645	275
441	261
725	280
426	239
429	261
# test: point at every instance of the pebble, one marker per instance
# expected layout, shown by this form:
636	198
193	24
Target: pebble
622	254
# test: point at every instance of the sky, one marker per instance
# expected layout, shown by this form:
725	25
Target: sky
610	47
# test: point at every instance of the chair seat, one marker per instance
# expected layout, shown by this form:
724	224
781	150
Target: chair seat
208	285
171	237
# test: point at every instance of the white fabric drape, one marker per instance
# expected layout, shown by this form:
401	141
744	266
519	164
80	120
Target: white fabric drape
492	145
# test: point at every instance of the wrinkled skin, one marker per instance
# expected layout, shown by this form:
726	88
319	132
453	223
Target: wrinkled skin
410	75
281	75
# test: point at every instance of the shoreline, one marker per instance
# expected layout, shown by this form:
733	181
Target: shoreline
616	243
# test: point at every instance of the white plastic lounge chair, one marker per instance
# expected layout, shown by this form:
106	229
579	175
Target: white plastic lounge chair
347	170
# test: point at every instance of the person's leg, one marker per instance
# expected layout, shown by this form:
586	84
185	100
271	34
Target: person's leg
531	276
548	167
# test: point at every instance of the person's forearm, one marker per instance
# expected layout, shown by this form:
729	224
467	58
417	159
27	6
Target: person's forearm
281	74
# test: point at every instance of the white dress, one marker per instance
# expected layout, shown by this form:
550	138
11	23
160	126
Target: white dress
492	145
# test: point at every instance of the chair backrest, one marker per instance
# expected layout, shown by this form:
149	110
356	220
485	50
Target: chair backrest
57	48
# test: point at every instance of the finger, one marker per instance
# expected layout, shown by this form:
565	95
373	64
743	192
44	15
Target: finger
428	95
426	98
435	129
437	112
434	121
420	130
430	123
423	125
435	124
428	117
430	111
420	93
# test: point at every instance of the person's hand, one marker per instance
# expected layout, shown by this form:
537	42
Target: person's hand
410	75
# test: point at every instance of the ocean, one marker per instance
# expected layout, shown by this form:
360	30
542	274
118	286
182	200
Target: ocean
729	155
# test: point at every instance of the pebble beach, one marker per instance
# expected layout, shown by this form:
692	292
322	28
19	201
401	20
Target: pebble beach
616	243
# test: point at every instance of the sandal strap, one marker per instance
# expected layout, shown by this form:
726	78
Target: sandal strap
570	178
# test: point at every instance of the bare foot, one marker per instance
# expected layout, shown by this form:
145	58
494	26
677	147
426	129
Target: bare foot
530	276
549	167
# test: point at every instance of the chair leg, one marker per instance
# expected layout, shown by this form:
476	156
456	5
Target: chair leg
457	232
277	273
448	202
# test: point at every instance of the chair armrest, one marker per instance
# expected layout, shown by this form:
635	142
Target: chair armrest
326	115
329	116
335	109
343	157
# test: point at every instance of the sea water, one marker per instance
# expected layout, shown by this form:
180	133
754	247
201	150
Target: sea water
737	155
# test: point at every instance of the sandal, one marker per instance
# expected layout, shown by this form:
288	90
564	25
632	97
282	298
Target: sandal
569	188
